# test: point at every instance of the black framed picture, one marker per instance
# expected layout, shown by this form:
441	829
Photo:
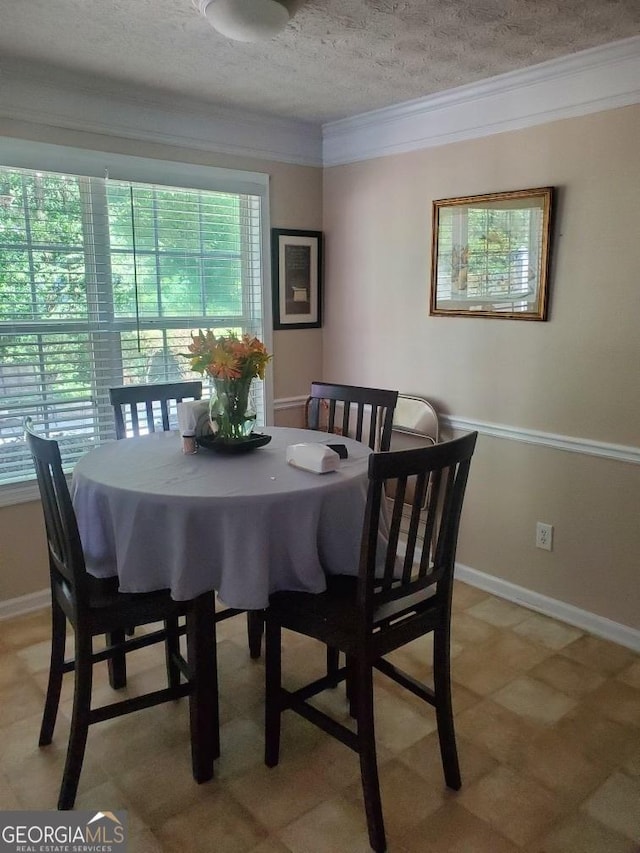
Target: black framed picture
296	259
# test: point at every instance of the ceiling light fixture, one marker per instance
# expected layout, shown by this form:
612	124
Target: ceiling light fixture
245	20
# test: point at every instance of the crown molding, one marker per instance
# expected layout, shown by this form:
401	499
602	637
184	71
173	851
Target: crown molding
29	95
591	81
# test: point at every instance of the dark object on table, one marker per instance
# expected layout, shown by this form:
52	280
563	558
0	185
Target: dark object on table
340	449
94	606
369	616
233	446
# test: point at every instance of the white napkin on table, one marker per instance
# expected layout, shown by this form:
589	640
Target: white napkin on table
193	417
313	457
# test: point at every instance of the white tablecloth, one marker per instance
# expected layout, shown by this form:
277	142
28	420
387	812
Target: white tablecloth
244	525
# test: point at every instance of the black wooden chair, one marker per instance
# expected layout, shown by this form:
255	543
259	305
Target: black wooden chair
400	594
136	407
131	404
365	414
92	607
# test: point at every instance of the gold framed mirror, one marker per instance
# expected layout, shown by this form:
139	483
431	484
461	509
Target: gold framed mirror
490	255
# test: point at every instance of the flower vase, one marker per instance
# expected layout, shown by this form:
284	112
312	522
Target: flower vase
231	410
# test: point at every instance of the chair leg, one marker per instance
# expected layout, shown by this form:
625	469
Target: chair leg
363	678
203	699
58	637
79	722
255	629
117	664
333	664
444	708
172	649
273	705
352	697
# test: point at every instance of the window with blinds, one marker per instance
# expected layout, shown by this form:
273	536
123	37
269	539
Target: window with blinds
101	283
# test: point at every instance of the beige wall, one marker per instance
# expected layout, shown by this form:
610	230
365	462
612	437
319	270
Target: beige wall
23	556
296	202
576	375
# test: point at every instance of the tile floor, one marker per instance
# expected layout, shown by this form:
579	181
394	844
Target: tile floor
548	724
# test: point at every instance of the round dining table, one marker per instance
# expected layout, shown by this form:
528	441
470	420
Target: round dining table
245	525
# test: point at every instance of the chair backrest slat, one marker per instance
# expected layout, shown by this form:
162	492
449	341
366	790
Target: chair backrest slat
447	510
430	519
164	408
135	404
415	519
388	575
394	533
135	423
149	415
353	401
66	558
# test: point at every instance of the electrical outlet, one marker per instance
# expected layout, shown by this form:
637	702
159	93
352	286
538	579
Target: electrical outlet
544	536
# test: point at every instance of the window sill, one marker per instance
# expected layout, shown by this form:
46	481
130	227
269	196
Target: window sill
19	493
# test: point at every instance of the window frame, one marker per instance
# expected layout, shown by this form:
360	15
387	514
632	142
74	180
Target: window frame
23	154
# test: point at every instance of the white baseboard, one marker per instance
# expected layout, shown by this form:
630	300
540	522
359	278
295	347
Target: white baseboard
623	635
25	604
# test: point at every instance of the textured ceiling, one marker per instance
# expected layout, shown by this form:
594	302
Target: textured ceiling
336	58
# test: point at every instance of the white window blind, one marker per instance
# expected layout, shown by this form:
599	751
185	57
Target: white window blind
101	283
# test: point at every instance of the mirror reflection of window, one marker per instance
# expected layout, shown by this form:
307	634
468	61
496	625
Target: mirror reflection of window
491	252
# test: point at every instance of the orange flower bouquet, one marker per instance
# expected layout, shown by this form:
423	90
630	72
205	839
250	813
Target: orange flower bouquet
232	362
